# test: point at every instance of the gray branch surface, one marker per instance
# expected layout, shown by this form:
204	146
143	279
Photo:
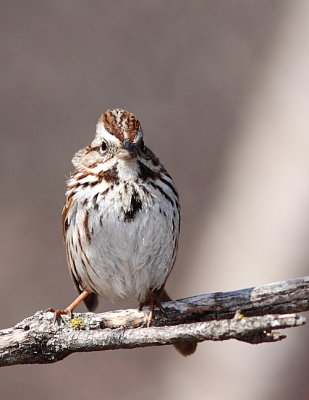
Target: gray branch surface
252	315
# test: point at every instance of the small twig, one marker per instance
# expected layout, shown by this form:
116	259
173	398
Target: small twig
242	315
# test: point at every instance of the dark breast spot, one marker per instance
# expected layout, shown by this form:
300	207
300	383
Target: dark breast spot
135	207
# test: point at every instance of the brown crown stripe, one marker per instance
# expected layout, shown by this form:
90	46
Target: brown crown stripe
133	126
126	127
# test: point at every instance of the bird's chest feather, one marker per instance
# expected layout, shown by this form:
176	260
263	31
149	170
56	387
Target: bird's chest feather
124	217
128	235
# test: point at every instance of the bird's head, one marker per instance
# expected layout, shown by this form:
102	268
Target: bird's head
118	140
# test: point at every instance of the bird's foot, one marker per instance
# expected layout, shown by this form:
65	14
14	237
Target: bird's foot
152	300
58	313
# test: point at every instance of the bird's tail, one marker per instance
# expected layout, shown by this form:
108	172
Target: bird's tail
184	348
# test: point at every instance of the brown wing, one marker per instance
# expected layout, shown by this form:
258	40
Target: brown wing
91	301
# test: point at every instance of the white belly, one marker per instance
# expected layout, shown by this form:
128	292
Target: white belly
124	260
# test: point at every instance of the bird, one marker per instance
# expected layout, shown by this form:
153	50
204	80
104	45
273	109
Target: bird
121	219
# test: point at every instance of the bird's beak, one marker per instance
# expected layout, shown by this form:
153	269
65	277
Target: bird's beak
127	151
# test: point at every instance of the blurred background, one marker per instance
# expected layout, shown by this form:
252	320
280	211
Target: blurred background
222	91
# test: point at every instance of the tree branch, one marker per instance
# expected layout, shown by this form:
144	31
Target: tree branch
251	315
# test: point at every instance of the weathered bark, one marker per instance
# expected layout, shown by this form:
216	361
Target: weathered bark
250	315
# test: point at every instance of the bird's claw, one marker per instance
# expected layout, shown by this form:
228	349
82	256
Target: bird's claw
58	313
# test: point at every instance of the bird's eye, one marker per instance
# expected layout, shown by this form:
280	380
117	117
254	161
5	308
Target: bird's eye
103	146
